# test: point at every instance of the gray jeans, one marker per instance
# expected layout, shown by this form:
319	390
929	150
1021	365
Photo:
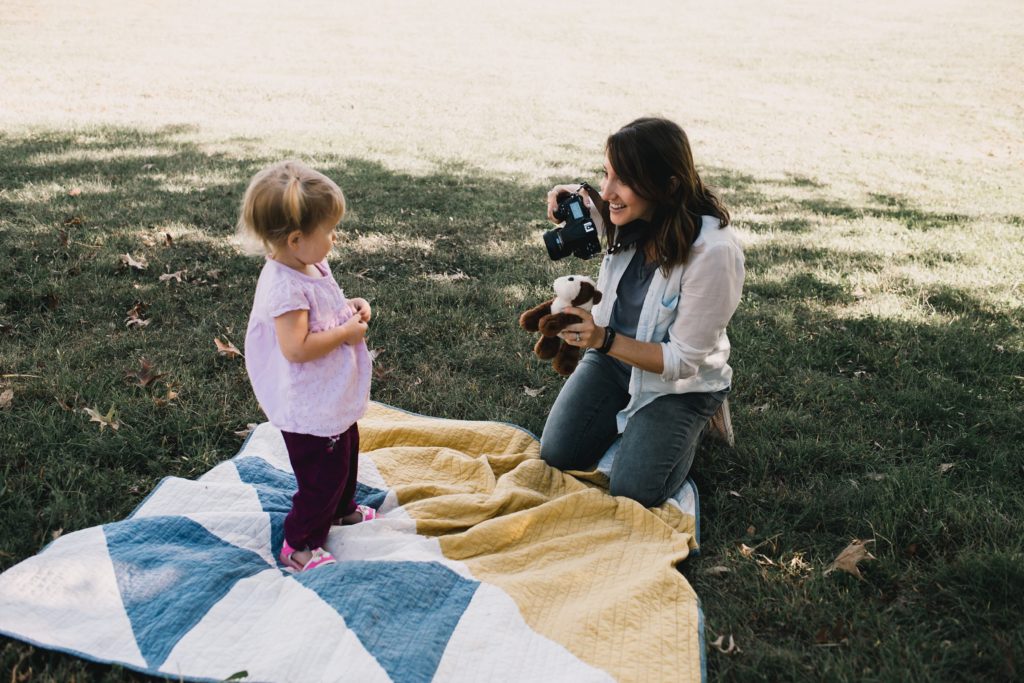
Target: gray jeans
657	446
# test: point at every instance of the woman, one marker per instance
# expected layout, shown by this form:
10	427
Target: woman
655	370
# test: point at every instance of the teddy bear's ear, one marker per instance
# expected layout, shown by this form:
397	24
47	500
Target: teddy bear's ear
586	294
597	296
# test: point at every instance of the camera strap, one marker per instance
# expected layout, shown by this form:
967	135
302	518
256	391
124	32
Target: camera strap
631	234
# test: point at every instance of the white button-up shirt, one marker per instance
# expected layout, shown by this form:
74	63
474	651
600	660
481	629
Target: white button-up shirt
686	312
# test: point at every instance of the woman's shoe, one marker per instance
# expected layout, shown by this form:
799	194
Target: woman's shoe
720	426
320	558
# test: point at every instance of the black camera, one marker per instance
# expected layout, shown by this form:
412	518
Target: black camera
579	234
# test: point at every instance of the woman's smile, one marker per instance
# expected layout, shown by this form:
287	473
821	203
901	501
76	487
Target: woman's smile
624	204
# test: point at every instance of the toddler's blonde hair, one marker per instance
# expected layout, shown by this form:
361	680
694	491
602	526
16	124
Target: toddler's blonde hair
288	196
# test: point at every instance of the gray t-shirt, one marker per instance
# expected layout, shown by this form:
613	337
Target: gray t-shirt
630	295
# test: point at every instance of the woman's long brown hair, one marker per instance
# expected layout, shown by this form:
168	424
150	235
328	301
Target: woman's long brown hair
652	156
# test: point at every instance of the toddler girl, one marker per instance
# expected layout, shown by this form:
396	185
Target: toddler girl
305	353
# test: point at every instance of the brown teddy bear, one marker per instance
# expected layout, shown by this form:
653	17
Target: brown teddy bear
548	319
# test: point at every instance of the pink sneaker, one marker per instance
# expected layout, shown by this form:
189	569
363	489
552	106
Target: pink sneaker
368	513
320	558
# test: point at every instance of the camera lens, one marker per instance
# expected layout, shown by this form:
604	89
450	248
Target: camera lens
554	244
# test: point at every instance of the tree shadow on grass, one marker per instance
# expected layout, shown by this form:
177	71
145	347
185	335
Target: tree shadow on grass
458	242
437	252
449	258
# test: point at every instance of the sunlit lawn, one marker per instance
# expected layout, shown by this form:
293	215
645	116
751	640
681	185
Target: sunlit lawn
871	155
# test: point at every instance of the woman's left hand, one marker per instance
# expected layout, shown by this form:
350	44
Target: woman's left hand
584	334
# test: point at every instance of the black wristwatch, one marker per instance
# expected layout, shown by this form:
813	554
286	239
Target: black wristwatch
609	339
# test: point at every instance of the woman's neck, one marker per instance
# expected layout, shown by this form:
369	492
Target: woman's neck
639	233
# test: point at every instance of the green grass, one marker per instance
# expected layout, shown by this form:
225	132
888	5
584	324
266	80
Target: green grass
871	163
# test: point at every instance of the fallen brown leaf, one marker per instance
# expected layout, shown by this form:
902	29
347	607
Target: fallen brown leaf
6	398
717	570
731	648
243	433
946	467
836	634
176	276
74	192
796	565
227	348
171	395
533	392
852	554
746	550
132	262
104	421
135	318
146	375
168	240
55	534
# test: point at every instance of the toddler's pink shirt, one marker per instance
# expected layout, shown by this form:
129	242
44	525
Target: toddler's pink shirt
322	397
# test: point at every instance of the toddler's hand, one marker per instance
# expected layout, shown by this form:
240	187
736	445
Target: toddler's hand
361	307
355	329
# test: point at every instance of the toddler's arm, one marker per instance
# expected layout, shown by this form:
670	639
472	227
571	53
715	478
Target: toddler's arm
299	345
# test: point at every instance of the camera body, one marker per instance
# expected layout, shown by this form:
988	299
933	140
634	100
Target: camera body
579	234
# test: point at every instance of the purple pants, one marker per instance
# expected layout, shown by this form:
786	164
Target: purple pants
325	470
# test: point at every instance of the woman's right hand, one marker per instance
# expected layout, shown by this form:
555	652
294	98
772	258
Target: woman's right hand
564	190
553	196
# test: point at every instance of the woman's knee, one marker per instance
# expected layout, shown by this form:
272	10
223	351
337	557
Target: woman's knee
558	452
581	424
552	455
647	493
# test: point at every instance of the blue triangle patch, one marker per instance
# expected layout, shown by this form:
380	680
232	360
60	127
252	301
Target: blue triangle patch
369	495
274	487
170	572
404	613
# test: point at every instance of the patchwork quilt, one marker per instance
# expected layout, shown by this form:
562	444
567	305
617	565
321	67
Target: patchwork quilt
484	565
